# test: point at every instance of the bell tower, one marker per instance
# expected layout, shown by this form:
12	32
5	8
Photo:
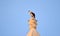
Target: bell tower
32	25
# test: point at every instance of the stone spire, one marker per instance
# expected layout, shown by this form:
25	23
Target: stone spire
32	25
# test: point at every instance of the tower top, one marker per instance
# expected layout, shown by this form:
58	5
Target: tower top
31	13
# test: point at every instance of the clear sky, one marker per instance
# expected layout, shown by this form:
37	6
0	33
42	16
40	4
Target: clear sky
14	17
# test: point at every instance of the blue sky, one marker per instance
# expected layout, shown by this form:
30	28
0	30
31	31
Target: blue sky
14	17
